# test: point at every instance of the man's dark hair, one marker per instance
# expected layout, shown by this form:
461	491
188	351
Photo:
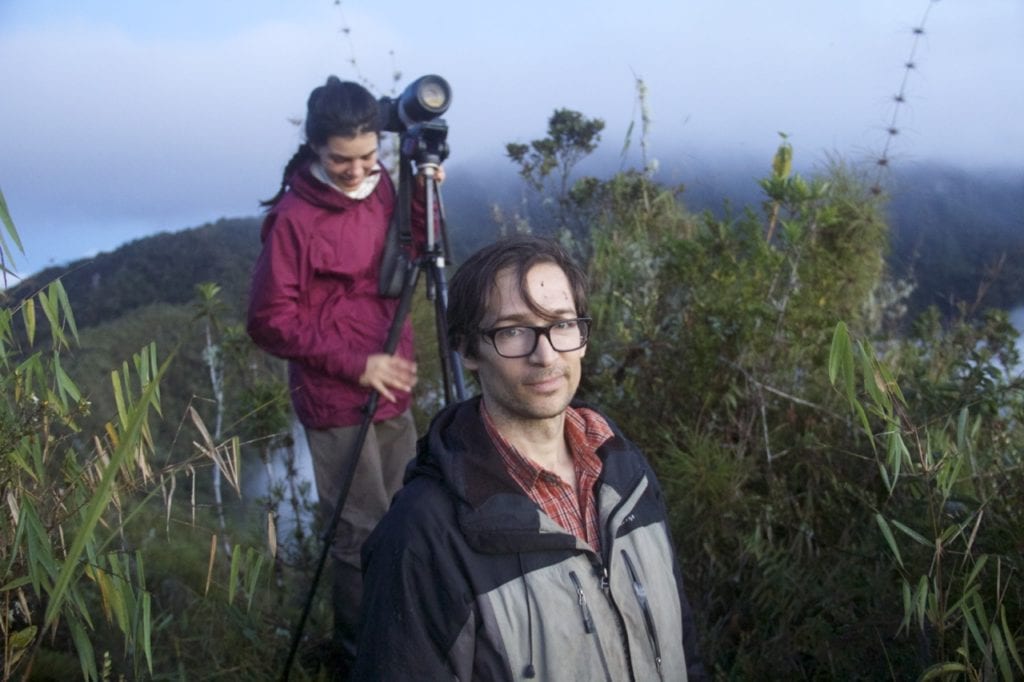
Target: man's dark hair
472	286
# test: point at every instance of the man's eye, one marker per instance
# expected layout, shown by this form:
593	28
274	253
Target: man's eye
511	332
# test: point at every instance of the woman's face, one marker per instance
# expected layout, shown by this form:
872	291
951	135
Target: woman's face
348	160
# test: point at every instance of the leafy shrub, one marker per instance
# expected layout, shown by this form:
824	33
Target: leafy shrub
802	526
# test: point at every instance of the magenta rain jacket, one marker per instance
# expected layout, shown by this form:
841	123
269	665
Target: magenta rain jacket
314	297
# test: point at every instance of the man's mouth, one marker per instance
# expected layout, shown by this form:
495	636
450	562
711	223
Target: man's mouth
546	381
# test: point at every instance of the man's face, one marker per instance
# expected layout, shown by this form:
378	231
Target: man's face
348	160
540	385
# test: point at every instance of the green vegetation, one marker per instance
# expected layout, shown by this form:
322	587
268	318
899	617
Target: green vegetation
111	567
846	500
869	532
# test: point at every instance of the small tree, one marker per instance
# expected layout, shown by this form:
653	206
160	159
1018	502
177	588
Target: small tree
208	308
571	138
709	343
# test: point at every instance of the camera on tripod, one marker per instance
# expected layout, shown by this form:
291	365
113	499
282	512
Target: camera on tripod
415	116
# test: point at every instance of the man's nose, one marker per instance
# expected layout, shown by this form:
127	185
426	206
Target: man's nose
544	352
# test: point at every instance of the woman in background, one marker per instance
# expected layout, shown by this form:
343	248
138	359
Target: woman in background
314	301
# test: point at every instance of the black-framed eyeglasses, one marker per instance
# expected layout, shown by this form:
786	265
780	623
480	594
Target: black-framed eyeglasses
519	341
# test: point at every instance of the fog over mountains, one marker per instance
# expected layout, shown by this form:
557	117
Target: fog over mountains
949	224
949	227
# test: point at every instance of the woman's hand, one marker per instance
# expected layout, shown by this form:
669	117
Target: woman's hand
421	178
388	373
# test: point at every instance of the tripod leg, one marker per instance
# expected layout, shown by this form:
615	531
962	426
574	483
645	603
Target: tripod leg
444	359
450	362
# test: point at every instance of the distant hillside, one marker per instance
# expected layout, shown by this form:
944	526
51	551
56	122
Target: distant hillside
950	227
163	268
142	293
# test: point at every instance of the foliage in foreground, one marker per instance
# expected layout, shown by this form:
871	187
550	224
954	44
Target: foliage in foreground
868	532
55	538
100	573
164	577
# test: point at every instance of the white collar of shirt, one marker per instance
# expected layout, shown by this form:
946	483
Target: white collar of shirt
364	190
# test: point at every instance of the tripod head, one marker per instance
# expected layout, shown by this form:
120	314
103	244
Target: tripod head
425	143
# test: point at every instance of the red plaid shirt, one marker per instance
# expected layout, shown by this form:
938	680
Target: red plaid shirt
585	432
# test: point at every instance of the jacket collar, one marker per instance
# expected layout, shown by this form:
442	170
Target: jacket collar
305	185
494	514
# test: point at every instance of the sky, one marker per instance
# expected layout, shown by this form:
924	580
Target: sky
121	119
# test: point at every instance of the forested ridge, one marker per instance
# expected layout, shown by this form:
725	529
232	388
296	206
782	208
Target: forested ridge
954	230
163	268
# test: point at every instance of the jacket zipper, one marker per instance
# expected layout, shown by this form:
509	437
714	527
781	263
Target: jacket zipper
588	623
605	561
641	597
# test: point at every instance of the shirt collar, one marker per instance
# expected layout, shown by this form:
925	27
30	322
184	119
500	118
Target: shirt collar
364	190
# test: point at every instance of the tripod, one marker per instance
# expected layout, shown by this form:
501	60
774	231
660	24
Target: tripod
427	149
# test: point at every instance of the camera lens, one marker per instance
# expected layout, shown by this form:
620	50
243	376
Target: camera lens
433	95
425	99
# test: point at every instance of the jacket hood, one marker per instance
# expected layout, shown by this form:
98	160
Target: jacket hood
308	188
458	452
494	513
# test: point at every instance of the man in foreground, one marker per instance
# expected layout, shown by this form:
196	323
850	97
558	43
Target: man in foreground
530	539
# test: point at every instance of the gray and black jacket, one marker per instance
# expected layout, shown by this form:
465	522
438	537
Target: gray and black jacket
467	579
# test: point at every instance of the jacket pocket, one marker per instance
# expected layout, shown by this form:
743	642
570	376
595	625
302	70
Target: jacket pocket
645	607
588	622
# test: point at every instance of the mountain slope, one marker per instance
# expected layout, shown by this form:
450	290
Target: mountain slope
163	268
